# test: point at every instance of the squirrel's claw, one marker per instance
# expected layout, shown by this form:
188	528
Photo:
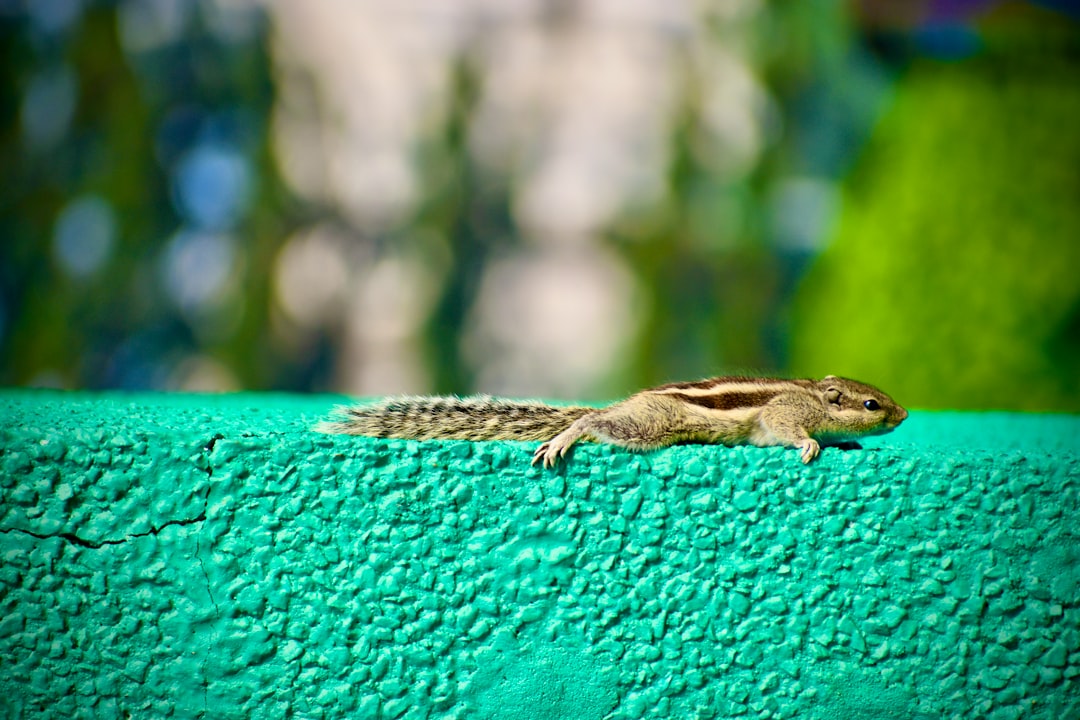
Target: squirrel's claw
810	449
542	454
550	452
538	454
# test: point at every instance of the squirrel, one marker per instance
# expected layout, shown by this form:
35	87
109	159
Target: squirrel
801	414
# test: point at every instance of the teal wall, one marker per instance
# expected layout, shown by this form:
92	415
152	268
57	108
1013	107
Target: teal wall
189	556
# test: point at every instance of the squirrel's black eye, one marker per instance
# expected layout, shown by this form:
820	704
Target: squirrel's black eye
871	404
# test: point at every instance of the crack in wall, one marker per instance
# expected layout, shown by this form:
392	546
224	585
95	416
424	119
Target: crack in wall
217	612
83	542
154	529
207	467
208	449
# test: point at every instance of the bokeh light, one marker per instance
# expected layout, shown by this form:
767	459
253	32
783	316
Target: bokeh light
48	106
213	186
197	268
84	236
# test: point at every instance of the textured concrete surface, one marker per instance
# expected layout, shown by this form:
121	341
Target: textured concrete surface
185	556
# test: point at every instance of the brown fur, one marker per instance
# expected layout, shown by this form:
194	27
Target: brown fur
802	414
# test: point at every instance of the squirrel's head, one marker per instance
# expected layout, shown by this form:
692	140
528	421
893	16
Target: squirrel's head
857	409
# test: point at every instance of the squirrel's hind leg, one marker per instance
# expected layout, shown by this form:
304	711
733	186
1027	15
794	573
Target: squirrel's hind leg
557	447
629	424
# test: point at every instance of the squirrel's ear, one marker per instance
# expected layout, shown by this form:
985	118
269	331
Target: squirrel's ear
833	396
829	377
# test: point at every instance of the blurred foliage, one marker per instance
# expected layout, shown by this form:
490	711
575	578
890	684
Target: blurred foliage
473	216
712	288
952	280
702	252
137	116
717	277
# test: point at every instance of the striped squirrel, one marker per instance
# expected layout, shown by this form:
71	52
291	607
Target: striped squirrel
802	414
729	410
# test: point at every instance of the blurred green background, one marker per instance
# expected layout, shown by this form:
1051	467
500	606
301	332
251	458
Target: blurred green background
561	199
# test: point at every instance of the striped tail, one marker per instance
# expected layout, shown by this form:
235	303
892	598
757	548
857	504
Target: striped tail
451	418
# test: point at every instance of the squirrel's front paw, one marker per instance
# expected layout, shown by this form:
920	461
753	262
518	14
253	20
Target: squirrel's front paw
809	449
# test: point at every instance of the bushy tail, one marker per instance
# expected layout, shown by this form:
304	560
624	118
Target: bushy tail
451	418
